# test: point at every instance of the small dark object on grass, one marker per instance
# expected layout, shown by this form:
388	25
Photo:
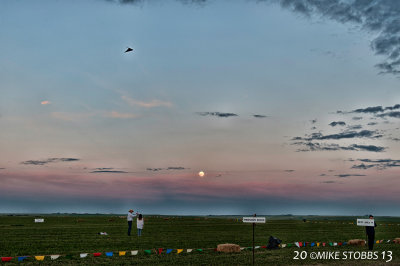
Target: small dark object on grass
273	242
17	225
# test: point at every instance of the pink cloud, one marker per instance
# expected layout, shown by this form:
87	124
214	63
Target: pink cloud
151	104
115	114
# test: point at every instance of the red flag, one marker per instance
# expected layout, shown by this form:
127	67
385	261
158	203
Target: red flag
98	254
300	244
6	259
263	246
340	243
323	244
160	250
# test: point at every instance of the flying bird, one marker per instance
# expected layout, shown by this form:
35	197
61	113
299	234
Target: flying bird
129	50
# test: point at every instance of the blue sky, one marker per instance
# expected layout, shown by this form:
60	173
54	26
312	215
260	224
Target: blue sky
243	90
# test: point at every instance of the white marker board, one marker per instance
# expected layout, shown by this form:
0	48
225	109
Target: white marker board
254	219
365	222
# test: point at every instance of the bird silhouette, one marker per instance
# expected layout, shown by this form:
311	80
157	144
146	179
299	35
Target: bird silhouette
129	50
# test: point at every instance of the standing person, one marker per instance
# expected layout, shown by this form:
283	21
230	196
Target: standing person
129	218
140	223
370	230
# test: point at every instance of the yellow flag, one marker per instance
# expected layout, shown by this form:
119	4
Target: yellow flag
122	253
377	241
318	244
179	250
39	257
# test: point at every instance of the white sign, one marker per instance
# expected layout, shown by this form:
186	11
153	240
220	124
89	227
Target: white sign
39	220
254	219
365	222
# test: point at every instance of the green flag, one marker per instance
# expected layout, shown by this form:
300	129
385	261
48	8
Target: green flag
148	251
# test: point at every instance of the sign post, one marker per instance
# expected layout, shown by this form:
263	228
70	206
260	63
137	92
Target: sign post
366	222
254	220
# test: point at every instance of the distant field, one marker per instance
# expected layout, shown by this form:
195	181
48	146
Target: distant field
20	236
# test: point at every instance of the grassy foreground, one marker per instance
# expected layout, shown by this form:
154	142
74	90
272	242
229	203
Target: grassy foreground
20	236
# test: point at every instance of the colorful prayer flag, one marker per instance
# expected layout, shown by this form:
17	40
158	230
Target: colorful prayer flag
289	245
83	255
109	254
160	250
312	244
22	258
39	257
256	247
189	250
147	251
134	252
169	250
323	244
199	249
97	254
122	253
297	244
4	259
283	245
318	244
54	257
179	251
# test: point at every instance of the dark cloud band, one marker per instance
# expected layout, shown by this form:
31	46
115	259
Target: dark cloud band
50	160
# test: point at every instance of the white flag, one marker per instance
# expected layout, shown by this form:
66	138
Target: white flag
283	245
297	244
54	257
334	244
257	247
242	248
134	252
83	255
189	250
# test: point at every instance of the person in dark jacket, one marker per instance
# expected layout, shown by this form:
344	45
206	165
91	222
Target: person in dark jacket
370	230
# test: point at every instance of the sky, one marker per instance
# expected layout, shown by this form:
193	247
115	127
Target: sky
289	107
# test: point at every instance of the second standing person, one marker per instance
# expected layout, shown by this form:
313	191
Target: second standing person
140	223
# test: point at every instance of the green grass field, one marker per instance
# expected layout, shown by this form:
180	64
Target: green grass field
20	236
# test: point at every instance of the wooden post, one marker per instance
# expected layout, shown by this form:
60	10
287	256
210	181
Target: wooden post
254	224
